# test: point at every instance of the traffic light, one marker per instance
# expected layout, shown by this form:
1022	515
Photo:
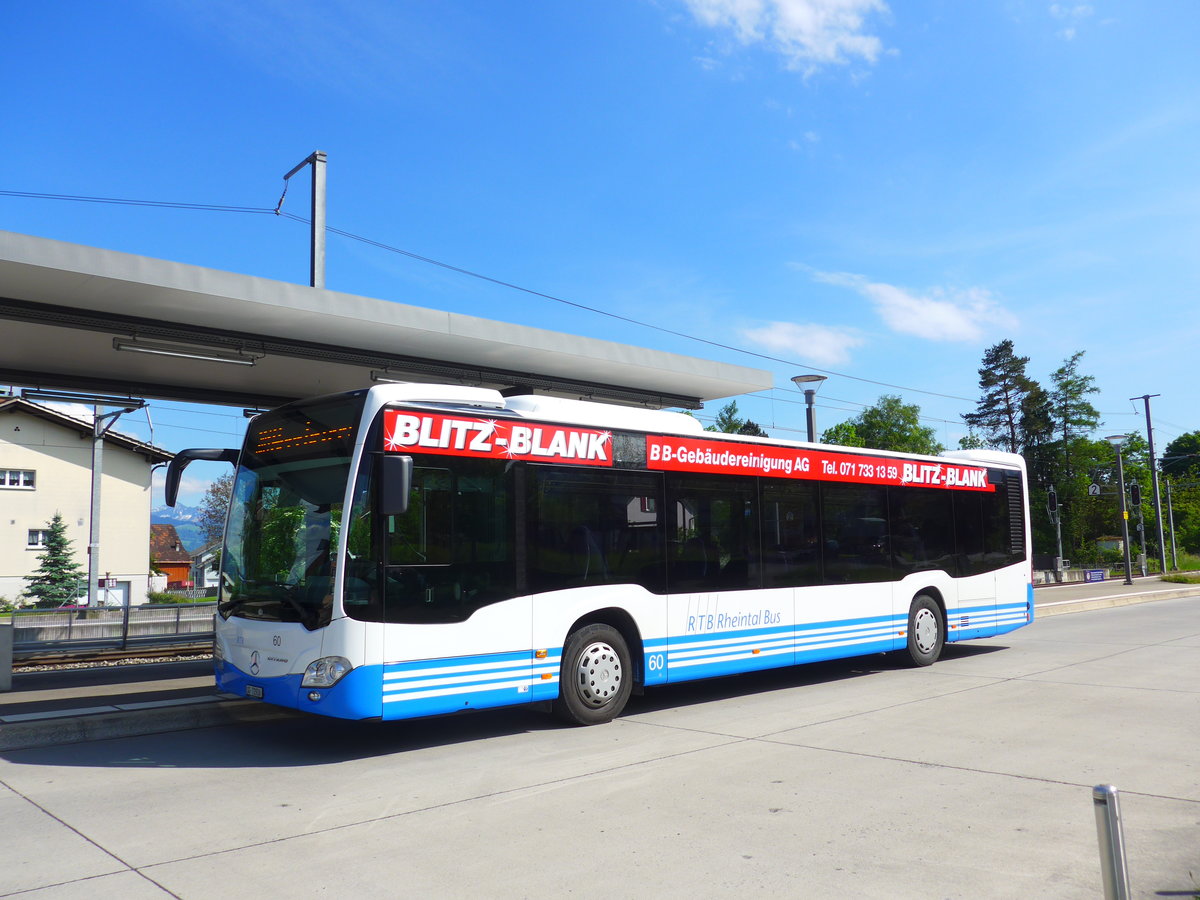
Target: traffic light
1135	494
1052	501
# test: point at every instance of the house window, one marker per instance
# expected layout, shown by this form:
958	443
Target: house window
37	538
17	478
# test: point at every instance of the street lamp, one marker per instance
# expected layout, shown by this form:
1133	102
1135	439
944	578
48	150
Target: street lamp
809	392
1117	440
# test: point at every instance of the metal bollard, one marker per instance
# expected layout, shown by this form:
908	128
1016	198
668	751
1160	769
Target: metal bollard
1112	842
6	654
6	657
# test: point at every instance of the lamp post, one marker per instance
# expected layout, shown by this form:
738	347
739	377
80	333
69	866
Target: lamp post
809	392
1117	440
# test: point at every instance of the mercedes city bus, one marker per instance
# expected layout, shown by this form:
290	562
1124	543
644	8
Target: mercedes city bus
414	550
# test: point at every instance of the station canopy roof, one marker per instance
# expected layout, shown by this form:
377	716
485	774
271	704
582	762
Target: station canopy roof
75	318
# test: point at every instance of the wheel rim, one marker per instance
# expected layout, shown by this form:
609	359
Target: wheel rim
598	674
925	630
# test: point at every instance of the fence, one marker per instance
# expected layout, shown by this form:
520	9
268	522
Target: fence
110	627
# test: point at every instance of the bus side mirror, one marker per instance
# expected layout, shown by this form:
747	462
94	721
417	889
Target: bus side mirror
180	462
395	482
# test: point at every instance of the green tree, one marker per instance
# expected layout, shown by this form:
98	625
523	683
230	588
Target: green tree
1181	465
1181	458
1037	432
1001	407
891	424
57	580
1073	414
729	422
1060	452
843	434
970	441
214	506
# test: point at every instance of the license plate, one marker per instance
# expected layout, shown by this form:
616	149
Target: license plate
253	690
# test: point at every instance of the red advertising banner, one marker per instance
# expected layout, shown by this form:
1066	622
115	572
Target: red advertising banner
494	438
681	454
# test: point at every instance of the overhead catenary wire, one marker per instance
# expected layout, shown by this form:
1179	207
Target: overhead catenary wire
120	201
611	315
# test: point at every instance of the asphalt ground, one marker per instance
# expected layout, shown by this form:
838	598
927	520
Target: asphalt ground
80	704
971	778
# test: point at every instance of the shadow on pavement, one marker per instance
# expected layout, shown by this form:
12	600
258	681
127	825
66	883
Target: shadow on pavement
303	740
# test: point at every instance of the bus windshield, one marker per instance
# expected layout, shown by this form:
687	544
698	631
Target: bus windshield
285	513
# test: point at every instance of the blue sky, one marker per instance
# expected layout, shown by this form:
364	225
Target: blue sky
877	190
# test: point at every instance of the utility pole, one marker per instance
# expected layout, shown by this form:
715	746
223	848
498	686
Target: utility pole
316	269
1171	519
99	429
1162	548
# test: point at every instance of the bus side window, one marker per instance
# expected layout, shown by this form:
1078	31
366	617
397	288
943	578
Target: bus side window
791	535
588	526
921	523
855	527
714	534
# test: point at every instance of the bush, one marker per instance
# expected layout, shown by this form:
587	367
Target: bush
169	599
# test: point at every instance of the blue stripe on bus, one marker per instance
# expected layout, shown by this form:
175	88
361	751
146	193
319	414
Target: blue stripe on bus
972	622
434	686
694	656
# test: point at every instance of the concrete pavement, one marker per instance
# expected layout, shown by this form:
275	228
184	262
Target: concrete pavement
968	779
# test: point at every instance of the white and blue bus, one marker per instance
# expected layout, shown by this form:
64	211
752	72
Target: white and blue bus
415	550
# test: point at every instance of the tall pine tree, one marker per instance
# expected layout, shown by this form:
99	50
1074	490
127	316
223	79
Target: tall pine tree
1002	406
58	576
1074	414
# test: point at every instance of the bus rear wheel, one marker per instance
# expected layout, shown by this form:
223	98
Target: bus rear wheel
596	677
926	635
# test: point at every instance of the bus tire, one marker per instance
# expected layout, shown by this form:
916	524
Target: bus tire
596	678
926	631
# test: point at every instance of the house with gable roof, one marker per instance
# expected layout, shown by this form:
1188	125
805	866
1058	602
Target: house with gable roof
170	557
46	468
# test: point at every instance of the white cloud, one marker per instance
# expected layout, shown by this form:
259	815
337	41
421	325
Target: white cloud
1072	15
819	345
809	33
938	314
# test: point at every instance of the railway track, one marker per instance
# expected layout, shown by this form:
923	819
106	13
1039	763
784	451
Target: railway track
42	660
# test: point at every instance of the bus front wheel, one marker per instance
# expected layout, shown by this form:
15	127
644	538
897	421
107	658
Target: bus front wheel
596	677
926	635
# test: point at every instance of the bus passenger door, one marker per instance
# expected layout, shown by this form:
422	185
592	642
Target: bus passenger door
975	616
719	619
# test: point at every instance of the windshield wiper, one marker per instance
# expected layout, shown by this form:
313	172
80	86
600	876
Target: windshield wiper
257	592
302	611
227	607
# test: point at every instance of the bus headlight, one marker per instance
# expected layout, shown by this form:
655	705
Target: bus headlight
326	671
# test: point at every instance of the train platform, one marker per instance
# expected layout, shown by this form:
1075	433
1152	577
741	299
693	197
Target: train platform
70	705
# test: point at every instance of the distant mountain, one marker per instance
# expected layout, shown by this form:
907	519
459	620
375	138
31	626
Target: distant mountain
174	515
185	519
